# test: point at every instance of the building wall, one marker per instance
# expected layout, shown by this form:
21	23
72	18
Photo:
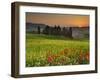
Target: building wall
80	32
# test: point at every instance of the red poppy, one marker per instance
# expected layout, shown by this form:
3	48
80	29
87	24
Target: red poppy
87	56
50	59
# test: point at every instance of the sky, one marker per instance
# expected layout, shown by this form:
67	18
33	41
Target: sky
58	19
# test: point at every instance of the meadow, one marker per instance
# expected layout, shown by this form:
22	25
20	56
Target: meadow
49	50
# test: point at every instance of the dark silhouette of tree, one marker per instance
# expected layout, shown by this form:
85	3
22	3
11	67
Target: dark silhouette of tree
55	30
46	30
50	30
38	29
67	32
63	31
58	30
70	32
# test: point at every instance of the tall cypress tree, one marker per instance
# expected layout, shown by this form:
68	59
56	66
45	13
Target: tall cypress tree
70	32
38	29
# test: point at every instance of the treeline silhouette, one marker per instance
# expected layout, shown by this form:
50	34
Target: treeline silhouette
56	30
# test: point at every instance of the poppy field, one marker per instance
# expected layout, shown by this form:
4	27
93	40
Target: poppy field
49	50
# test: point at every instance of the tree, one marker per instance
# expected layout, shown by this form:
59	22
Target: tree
70	32
55	30
63	31
38	29
58	30
46	30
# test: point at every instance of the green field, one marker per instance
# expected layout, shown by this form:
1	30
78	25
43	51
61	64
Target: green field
49	50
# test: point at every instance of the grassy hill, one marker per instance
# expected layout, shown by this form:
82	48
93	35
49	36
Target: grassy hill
49	50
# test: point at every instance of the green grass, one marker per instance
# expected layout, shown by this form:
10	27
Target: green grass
40	47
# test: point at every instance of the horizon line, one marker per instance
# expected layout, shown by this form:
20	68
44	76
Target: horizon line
57	25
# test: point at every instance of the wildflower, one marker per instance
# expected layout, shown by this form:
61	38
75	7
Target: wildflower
50	59
81	56
66	51
87	56
62	52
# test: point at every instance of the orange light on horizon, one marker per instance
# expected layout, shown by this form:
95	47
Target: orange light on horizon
58	19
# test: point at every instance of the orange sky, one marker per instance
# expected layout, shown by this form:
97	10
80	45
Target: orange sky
58	19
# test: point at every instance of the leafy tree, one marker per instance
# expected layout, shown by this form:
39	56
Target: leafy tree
46	30
58	30
38	29
63	31
70	32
